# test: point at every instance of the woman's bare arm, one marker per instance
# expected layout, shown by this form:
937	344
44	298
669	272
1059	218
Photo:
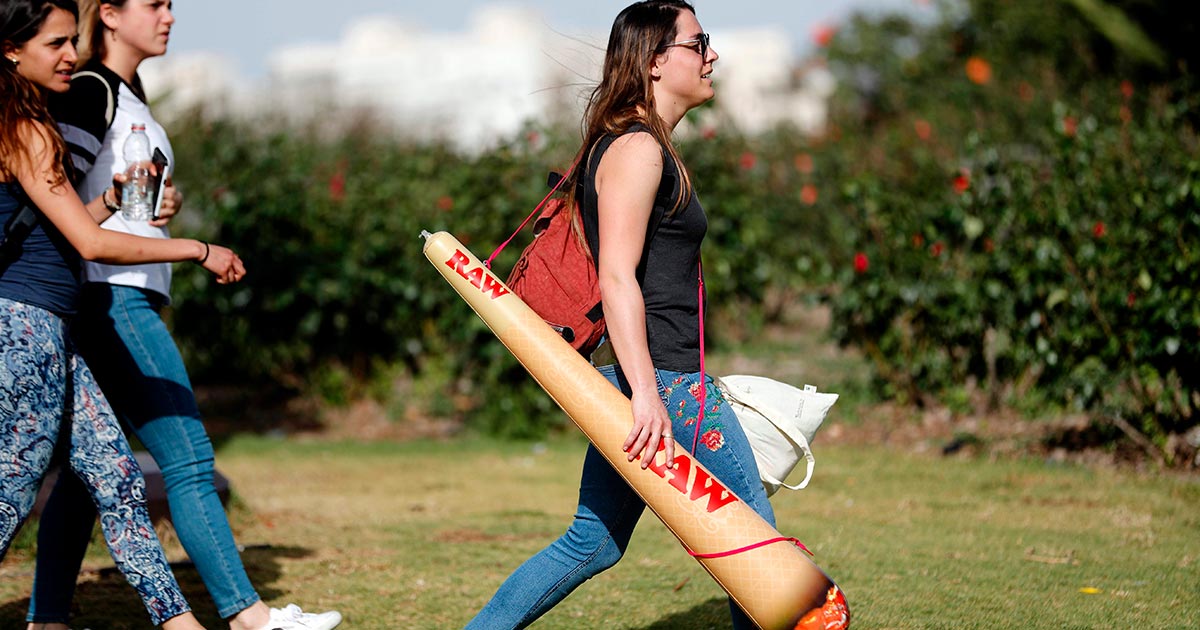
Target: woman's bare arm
53	195
627	182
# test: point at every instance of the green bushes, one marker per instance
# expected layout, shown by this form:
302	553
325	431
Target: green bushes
330	231
1030	233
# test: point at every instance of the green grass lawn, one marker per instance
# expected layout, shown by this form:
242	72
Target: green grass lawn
419	535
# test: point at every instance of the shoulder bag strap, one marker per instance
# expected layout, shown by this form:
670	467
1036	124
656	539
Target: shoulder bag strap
17	228
488	263
703	384
110	109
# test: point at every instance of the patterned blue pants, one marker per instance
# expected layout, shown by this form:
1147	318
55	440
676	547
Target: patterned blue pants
45	387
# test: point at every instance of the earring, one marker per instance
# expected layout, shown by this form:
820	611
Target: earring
15	61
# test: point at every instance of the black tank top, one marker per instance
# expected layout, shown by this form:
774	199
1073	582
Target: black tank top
669	269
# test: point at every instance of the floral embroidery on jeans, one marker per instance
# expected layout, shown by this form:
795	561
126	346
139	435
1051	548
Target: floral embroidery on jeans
713	439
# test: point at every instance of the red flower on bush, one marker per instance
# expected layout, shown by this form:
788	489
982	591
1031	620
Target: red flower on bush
1070	125
1025	91
861	264
808	194
713	439
918	241
709	133
533	138
804	163
445	203
823	34
924	129
1127	89
1098	230
1130	299
936	249
988	245
748	161
979	71
962	182
337	185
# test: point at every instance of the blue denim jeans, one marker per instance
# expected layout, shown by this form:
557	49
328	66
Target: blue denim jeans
609	509
50	406
119	332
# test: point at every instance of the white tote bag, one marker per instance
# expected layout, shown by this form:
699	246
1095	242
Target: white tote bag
780	421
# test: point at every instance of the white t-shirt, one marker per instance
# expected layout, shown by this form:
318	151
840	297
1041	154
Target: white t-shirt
97	149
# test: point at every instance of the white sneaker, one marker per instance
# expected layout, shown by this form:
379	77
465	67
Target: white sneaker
292	618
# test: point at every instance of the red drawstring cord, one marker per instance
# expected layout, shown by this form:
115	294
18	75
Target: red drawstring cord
734	552
703	384
700	421
488	263
699	297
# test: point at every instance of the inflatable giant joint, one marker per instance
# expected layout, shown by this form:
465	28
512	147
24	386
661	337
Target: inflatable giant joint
776	584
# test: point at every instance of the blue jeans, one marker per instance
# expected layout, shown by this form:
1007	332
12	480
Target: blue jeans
119	331
609	509
45	389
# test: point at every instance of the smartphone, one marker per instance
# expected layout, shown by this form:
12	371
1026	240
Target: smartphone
158	181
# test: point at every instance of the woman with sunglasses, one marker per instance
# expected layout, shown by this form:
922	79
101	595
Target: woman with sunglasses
121	335
48	399
644	225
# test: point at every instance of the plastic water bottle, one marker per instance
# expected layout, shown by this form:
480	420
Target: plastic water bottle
135	194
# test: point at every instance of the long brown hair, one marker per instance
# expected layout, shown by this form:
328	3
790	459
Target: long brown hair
625	95
24	101
91	38
91	30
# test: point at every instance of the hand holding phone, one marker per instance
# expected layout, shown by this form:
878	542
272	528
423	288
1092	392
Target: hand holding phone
158	181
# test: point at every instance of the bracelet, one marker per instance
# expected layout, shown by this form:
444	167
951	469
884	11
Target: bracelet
113	207
201	261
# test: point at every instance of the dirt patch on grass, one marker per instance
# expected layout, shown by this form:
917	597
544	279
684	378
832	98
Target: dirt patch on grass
370	420
1075	438
476	536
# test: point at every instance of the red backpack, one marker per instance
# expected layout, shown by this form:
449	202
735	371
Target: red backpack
556	276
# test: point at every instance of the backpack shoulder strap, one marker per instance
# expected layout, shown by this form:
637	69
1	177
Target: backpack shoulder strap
17	228
555	182
110	110
85	114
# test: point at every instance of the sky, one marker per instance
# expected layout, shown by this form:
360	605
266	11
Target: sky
247	31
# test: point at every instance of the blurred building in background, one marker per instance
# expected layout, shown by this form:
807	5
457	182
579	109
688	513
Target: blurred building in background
473	87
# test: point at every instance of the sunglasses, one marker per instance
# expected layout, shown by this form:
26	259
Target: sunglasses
698	45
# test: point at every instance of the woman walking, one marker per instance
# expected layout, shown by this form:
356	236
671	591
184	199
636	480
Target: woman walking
644	226
121	335
47	394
